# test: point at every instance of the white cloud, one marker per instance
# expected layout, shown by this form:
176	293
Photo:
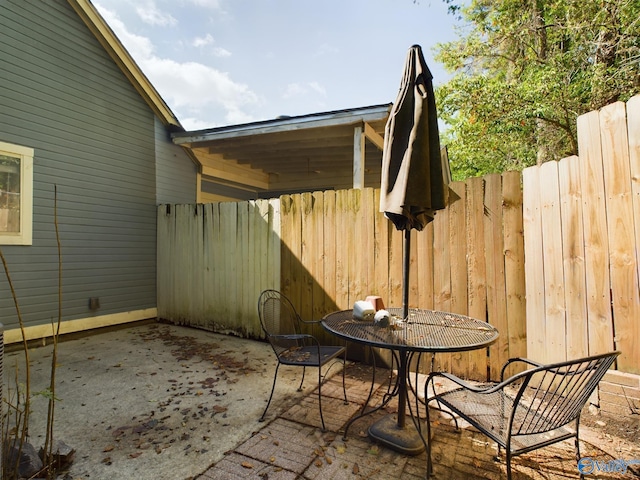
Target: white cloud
203	41
151	14
207	40
195	85
191	123
138	46
197	89
221	52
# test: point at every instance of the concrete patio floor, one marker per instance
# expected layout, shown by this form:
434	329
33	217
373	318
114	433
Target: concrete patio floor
150	401
157	401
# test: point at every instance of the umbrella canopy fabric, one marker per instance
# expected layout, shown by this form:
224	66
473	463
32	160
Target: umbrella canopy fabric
414	174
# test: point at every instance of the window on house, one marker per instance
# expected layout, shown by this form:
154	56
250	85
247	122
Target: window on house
16	194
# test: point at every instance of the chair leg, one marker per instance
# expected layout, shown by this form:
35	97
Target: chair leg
344	385
508	462
320	397
304	369
273	387
577	443
428	442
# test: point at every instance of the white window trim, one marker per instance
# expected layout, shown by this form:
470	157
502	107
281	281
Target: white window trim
25	235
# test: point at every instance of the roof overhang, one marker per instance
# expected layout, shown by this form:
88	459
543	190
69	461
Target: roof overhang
329	150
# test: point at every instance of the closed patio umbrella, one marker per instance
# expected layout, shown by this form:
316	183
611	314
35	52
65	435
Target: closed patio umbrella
414	179
414	174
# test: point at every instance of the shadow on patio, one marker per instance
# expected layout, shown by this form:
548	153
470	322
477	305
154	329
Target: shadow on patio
157	401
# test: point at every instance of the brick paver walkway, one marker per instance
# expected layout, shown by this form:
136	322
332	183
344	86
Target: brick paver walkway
292	446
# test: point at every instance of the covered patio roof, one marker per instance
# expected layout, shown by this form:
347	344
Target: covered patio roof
320	151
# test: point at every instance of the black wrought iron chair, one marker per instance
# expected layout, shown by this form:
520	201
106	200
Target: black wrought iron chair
527	411
283	327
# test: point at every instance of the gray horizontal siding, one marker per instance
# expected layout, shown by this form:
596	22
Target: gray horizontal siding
94	138
175	171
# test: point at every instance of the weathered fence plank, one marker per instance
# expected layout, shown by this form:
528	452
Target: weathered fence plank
625	295
573	254
329	236
380	250
534	272
554	310
496	280
514	267
633	128
596	240
342	253
477	274
450	265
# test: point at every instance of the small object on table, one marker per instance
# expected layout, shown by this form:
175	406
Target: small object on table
376	301
363	310
382	318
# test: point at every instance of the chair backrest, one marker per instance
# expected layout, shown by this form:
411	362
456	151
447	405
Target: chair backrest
556	393
278	316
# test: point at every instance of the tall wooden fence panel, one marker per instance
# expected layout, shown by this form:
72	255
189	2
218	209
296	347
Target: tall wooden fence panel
326	250
582	231
337	248
214	260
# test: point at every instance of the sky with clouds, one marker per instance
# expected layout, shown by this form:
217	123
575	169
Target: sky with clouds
225	62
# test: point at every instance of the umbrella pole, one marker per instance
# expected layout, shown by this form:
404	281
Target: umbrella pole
405	273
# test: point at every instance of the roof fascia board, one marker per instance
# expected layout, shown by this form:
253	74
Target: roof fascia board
329	119
103	33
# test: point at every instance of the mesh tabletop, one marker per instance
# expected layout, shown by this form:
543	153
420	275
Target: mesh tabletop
422	330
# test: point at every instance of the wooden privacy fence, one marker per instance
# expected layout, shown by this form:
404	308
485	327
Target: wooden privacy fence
326	250
213	261
582	232
577	220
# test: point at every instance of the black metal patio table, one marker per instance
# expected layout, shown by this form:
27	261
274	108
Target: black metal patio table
423	331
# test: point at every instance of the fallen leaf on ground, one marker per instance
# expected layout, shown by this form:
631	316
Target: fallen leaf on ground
108	448
247	465
356	469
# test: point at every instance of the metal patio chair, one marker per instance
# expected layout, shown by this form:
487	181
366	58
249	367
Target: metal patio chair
283	327
529	410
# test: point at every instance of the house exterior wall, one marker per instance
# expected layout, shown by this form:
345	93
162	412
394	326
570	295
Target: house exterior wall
94	139
175	171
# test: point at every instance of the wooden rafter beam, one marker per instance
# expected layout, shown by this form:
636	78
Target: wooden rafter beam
373	136
218	167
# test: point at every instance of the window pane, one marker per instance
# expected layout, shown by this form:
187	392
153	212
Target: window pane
9	194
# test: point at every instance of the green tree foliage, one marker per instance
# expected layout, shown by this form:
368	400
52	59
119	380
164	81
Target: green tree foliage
524	70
